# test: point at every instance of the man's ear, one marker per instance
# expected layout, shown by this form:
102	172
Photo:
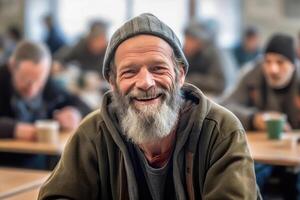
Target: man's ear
112	84
181	75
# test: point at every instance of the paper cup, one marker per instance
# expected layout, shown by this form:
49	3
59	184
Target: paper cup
47	131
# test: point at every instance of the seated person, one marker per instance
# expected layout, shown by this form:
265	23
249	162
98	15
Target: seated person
28	94
208	63
154	136
88	53
248	49
269	84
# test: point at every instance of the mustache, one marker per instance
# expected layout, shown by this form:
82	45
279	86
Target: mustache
149	94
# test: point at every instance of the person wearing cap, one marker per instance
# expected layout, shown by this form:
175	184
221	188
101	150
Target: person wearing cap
154	137
270	84
208	63
88	53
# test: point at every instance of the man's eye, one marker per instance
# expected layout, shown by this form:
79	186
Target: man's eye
158	69
128	73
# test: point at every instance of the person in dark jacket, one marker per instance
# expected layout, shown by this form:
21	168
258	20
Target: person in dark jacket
210	66
29	94
154	136
270	85
54	39
88	53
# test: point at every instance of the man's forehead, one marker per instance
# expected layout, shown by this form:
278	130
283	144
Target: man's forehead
144	43
25	65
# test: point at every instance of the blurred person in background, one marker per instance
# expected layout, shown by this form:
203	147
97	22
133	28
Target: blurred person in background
54	39
29	94
249	48
298	45
3	57
208	63
87	58
153	132
13	36
88	53
270	84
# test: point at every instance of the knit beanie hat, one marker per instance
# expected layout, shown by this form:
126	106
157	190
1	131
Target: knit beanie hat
283	45
143	24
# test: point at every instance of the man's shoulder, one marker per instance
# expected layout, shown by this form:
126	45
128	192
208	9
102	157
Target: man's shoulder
225	121
5	80
90	124
250	72
4	73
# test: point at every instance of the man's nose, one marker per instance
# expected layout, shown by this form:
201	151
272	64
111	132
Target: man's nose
145	79
274	68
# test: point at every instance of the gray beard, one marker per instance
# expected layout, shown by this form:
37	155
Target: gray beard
151	122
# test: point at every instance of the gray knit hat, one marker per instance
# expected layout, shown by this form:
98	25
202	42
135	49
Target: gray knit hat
143	24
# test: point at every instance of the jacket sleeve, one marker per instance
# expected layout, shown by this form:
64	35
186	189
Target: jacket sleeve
76	175
236	101
231	170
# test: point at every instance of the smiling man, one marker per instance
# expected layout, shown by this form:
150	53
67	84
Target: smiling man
154	137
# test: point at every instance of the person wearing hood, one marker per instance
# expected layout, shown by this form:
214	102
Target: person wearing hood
208	63
155	136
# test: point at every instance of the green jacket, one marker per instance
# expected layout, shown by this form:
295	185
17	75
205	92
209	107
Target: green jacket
211	159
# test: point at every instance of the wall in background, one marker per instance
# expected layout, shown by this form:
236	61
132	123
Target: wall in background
11	13
272	16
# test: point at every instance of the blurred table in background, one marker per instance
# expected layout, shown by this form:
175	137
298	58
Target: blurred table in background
284	152
19	183
34	147
26	195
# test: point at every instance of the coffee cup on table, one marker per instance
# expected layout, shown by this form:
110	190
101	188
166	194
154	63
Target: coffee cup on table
47	131
275	123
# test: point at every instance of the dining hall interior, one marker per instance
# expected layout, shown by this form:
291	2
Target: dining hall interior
54	54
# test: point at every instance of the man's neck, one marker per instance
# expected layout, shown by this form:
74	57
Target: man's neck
158	153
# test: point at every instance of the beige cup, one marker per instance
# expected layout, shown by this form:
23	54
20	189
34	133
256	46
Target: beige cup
47	131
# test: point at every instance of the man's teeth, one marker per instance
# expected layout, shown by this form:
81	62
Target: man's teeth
146	98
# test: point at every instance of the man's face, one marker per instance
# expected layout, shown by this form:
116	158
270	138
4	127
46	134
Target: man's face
252	43
191	45
278	70
147	87
29	78
97	44
144	64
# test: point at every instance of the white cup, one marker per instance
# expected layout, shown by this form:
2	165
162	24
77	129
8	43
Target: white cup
47	131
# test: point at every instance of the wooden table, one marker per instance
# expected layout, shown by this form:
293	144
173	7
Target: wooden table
18	146
15	181
31	194
284	152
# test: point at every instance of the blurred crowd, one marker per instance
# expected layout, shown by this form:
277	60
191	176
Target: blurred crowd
59	80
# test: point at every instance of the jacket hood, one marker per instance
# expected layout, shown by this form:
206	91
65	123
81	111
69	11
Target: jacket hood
188	132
